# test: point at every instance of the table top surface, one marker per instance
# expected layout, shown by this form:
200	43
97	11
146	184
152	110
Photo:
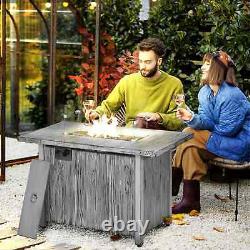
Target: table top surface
151	144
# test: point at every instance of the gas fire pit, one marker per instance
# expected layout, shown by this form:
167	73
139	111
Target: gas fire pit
122	137
95	179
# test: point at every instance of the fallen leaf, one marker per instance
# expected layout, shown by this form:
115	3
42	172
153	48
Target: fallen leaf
180	222
177	216
219	229
225	210
167	221
115	237
224	199
194	213
199	237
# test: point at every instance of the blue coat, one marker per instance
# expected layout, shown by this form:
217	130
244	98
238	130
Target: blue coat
227	116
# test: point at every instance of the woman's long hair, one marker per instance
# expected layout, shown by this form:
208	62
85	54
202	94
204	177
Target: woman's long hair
221	69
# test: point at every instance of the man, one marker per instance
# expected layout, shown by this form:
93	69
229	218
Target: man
147	93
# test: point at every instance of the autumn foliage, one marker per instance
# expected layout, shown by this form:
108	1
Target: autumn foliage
111	70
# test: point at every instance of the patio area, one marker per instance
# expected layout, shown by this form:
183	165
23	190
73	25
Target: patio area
56	55
213	228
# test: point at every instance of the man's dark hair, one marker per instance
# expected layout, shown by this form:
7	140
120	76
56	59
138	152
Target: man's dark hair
154	44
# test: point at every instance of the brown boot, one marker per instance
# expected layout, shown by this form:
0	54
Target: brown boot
191	198
177	175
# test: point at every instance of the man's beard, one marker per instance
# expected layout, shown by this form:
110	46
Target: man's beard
151	72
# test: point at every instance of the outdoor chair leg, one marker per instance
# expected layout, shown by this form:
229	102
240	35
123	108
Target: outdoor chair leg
233	168
229	183
230	191
237	189
223	172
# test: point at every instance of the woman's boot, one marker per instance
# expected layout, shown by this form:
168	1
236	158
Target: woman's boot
177	175
191	198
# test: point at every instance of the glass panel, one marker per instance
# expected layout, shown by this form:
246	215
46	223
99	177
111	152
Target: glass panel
33	56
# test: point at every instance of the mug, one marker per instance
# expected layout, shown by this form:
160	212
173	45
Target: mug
141	122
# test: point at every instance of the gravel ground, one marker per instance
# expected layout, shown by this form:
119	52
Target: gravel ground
15	149
214	214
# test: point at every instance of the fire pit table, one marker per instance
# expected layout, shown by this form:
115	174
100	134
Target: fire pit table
94	182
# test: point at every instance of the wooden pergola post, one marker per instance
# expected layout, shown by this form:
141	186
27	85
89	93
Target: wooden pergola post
97	50
3	86
52	63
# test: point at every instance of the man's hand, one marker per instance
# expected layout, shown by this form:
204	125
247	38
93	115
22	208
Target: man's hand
150	116
91	115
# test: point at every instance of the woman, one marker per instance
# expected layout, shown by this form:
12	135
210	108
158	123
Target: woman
221	128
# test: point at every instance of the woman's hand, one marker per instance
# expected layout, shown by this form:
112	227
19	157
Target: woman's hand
183	114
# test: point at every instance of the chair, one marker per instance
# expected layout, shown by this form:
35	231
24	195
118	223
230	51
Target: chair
231	165
120	115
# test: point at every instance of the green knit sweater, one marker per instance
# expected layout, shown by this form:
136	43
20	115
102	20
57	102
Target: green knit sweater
143	95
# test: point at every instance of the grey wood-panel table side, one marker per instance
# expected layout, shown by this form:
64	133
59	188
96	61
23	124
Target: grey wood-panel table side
95	179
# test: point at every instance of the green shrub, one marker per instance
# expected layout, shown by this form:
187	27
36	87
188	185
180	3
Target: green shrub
178	24
230	32
192	28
